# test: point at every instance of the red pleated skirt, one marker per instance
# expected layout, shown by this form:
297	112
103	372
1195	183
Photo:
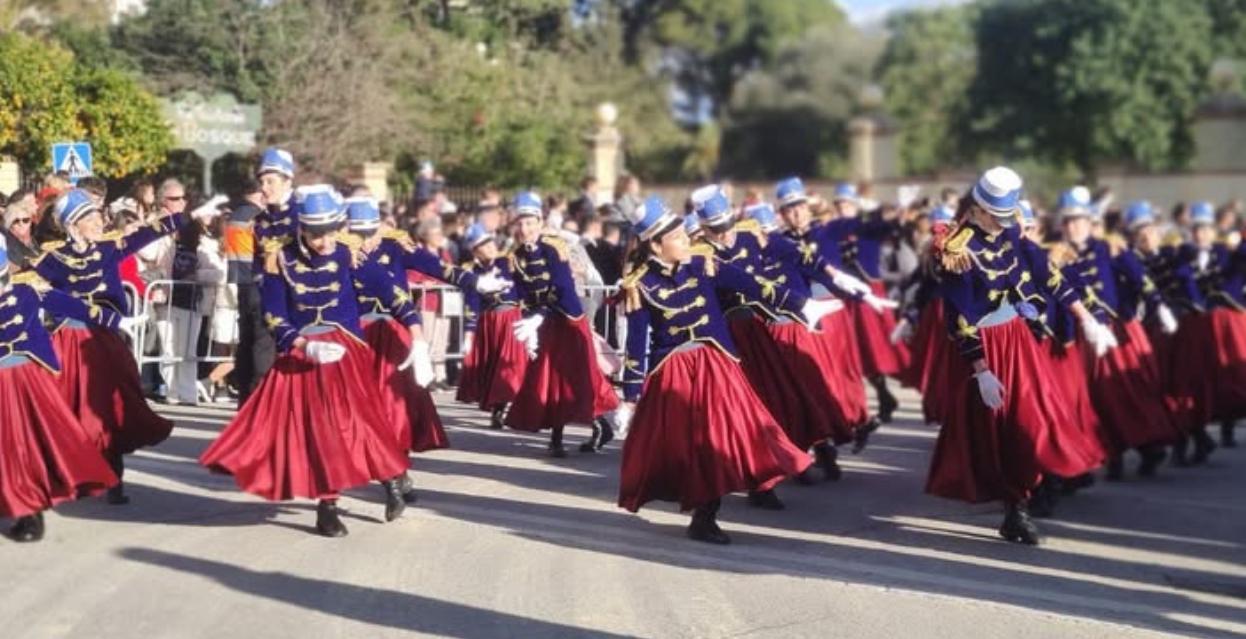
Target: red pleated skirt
700	432
46	455
791	376
873	333
409	407
1228	331
921	346
1187	359
563	385
984	455
838	343
99	380
494	369
1127	393
1068	371
310	430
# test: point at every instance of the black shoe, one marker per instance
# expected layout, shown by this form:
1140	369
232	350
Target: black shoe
1152	457
828	460
887	405
27	529
328	523
1043	502
1073	484
862	435
116	495
1203	446
805	478
1017	526
1180	457
766	500
1116	468
555	444
407	486
704	526
1226	434
495	420
394	503
607	433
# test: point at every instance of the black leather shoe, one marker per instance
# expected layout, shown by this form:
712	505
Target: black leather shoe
394	503
1017	526
704	526
27	529
1152	457
766	500
495	420
1203	445
1226	434
593	443
887	405
607	433
1046	496
1180	450
1071	485
557	451
862	435
407	486
1116	468
828	461
328	523
116	495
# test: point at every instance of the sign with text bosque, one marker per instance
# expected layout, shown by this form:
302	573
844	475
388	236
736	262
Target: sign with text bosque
212	126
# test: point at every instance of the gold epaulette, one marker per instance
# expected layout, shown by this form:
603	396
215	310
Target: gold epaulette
352	241
630	287
706	251
1116	243
749	225
1061	255
954	255
558	244
31	279
48	247
1173	239
112	236
400	236
272	255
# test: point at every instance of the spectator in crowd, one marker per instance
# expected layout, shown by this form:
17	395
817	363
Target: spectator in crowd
571	226
54	186
626	197
431	237
607	257
1227	221
451	231
427	185
586	203
19	229
1181	228
96	188
489	215
217	304
155	263
556	211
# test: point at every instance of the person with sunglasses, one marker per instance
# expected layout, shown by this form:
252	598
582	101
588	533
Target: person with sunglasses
19	229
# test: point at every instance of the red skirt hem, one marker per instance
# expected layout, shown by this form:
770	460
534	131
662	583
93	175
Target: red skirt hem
494	369
563	385
409	407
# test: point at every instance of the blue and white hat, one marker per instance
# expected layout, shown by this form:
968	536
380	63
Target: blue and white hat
528	204
476	235
320	207
275	160
846	191
1075	202
764	215
998	191
942	214
711	205
73	206
652	218
789	192
1027	214
692	225
1202	212
1139	214
363	214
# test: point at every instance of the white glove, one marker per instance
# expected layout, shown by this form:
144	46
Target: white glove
880	304
491	282
991	390
526	331
814	310
622	418
210	207
324	352
1167	321
468	340
127	322
850	284
1098	336
903	332
420	363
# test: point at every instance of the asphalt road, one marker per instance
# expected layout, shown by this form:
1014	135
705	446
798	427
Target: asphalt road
508	543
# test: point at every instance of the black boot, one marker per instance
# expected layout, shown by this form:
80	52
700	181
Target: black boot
1226	433
327	521
704	526
27	529
862	435
1203	445
887	403
1116	468
828	460
116	495
555	443
495	420
1071	485
1180	450
1152	456
407	486
1046	496
603	434
765	499
1018	527
394	503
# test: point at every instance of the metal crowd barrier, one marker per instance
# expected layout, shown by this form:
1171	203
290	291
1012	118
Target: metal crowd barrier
442	308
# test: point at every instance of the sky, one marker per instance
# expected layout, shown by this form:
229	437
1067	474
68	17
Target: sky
871	11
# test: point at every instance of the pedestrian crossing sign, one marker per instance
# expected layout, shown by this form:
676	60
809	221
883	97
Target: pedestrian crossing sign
73	158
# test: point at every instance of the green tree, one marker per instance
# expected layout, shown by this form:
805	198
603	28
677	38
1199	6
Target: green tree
123	122
1089	81
925	71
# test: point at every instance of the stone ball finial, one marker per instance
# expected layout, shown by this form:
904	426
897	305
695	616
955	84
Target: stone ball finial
871	97
607	114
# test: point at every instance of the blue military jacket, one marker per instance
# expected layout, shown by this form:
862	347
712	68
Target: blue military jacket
477	303
22	333
543	280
